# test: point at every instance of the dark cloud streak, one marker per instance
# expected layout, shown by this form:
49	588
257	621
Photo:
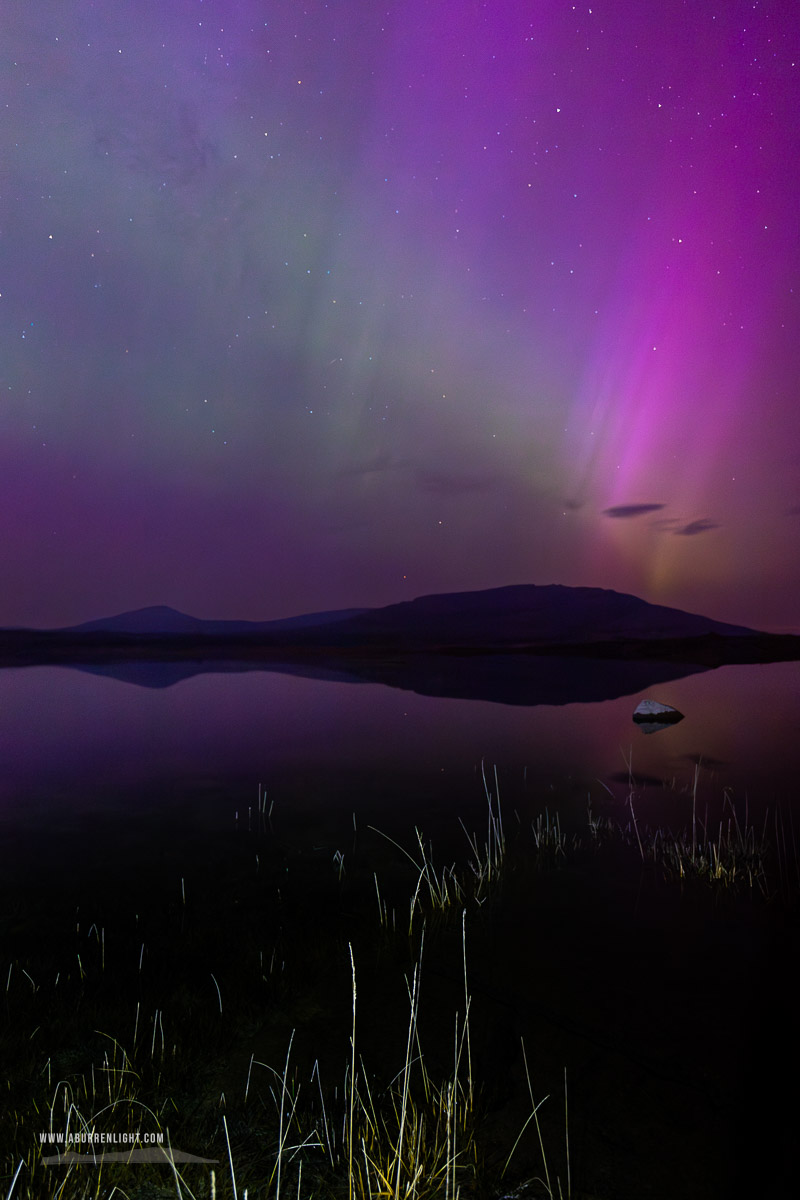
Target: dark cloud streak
631	510
703	525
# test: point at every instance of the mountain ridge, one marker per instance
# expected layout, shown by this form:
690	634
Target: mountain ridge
422	640
516	613
535	612
162	619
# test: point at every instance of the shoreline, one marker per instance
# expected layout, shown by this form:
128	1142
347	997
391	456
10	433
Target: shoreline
47	647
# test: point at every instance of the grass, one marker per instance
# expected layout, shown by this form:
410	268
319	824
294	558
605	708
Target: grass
418	1139
730	854
413	1134
137	1021
442	892
414	1139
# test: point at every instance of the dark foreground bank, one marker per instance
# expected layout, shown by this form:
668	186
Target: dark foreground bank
204	987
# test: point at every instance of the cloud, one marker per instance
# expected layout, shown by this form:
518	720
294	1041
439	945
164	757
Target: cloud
631	510
703	525
439	484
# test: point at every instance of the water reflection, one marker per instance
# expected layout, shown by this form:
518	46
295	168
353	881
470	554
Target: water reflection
117	802
71	739
500	678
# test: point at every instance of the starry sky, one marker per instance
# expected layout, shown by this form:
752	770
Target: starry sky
310	305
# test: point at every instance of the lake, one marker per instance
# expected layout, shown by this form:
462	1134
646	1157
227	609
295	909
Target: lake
228	815
73	742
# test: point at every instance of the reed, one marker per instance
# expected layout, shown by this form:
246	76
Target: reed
412	1133
732	855
412	1137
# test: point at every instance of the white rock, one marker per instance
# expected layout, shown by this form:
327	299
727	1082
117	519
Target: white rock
649	710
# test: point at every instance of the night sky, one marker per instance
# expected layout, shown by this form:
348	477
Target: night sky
310	305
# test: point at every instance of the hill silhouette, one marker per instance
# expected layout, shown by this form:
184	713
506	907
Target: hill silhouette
526	615
161	619
522	614
500	643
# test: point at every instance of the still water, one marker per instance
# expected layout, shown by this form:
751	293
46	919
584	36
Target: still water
74	743
132	808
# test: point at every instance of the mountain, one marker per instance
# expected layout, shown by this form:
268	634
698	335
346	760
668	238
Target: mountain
424	644
524	644
524	615
160	619
521	615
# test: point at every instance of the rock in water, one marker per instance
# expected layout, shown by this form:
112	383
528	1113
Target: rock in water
652	710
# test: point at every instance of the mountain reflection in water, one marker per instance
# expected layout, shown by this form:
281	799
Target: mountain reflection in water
499	678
